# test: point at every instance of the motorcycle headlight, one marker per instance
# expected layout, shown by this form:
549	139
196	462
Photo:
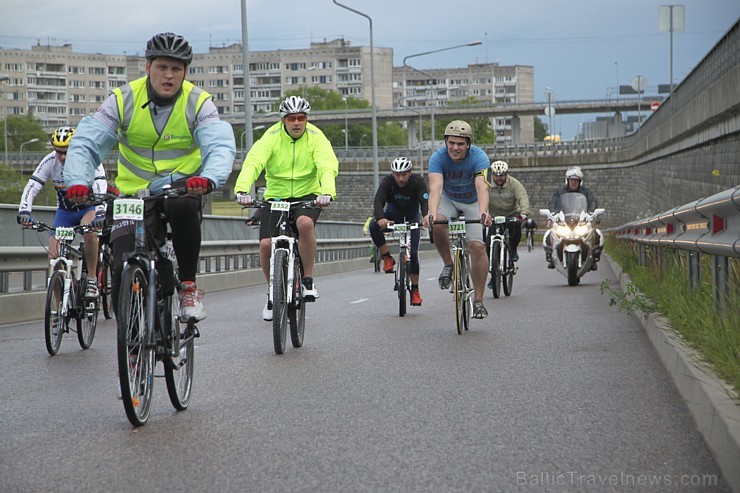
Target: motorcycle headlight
562	230
582	230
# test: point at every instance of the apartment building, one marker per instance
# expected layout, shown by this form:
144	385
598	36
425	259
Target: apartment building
487	83
60	86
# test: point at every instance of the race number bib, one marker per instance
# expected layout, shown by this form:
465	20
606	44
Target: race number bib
280	206
128	209
64	234
456	227
499	219
400	228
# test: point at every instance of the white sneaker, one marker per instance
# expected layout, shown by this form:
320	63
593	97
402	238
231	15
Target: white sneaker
310	293
190	305
267	311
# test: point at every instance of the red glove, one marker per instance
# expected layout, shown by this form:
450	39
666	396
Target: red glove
78	193
198	184
113	190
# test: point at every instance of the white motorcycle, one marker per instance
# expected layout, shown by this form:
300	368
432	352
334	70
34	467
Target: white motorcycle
573	236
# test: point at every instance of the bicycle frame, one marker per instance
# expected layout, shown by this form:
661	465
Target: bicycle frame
71	259
504	271
285	242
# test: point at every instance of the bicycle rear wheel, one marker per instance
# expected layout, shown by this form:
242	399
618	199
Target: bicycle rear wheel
530	242
54	322
375	258
507	278
401	278
496	269
178	369
104	278
135	353
297	309
279	300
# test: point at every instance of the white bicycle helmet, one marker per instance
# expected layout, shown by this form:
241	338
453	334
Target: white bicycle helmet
574	172
401	165
294	104
499	168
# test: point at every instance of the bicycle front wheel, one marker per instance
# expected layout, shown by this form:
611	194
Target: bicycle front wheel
496	269
461	288
87	320
507	279
297	309
401	284
279	300
530	242
135	353
54	322
178	367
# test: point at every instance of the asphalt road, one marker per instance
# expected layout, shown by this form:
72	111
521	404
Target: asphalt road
554	391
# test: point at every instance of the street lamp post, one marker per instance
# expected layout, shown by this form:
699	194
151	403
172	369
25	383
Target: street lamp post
21	156
376	171
431	79
550	111
244	135
5	78
346	133
421	136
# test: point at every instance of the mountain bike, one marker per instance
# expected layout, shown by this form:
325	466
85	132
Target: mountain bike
402	285
501	267
149	325
462	283
65	292
286	275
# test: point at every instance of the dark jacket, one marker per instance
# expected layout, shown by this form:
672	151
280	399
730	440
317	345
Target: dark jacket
413	195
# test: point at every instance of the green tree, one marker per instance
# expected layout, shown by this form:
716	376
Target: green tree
539	130
22	129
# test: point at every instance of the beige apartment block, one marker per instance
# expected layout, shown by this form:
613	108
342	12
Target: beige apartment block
59	86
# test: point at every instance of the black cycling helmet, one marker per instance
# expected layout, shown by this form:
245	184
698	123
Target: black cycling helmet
169	45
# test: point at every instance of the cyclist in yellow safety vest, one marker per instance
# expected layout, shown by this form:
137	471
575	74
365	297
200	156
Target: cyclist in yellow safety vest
168	133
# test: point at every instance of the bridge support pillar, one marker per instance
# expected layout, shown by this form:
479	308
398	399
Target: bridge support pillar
516	129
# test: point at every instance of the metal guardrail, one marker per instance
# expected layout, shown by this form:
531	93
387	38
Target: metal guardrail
215	256
708	226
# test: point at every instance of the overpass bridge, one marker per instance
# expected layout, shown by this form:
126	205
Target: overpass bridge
451	111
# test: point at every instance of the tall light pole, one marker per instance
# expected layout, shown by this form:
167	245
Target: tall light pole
376	171
5	78
431	79
550	111
616	64
346	134
671	18
421	136
247	84
21	156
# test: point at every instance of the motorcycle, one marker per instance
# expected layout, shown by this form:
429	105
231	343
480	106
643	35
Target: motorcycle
573	236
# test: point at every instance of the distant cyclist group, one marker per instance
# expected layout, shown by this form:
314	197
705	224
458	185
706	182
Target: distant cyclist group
170	138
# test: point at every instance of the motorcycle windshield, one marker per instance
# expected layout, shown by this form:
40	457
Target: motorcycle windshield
573	203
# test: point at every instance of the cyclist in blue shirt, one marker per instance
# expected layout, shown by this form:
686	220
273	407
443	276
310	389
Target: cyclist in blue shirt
457	187
398	199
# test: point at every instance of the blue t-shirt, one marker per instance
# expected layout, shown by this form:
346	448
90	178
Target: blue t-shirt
459	178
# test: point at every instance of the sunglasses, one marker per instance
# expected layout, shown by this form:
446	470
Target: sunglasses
296	118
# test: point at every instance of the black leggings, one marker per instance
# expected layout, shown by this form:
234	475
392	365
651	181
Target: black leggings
184	215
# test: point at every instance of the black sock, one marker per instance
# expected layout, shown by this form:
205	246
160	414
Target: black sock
414	287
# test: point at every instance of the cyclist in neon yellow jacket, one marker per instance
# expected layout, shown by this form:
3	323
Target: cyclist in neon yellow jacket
299	164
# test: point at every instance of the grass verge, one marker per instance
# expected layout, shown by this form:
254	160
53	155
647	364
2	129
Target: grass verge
661	286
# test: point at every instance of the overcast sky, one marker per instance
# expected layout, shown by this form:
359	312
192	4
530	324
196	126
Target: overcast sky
579	48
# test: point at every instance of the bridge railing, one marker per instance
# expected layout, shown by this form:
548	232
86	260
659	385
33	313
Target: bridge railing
709	226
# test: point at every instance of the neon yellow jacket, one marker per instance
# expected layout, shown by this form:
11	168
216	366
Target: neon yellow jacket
293	168
146	155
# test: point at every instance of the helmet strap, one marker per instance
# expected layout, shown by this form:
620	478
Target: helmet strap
157	99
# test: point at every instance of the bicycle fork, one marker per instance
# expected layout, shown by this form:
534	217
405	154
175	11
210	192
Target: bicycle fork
291	262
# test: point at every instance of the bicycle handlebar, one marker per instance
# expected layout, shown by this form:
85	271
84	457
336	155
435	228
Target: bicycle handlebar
446	221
